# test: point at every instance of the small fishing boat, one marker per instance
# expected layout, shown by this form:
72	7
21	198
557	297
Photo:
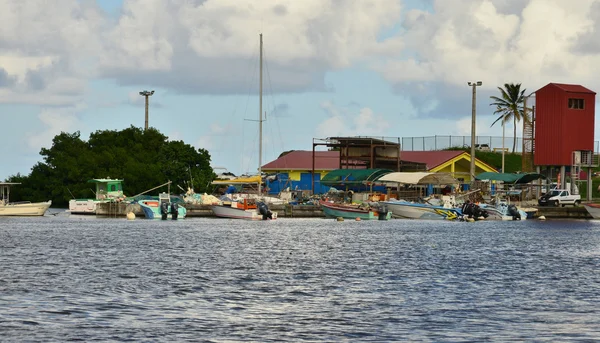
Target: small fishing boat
248	209
22	208
162	208
504	211
107	190
411	210
333	210
593	210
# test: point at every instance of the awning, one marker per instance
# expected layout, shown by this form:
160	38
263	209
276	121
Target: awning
240	180
339	177
514	178
419	178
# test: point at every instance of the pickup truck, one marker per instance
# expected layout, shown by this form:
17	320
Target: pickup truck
560	197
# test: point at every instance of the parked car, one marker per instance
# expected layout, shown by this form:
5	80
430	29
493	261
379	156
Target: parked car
559	197
554	185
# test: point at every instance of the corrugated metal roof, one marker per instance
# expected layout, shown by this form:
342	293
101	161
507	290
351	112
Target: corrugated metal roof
571	88
431	159
302	160
330	160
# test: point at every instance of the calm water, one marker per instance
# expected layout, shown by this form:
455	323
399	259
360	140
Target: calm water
67	278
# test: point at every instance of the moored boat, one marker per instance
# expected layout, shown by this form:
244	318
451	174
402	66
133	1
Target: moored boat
22	208
333	210
107	190
162	208
247	209
504	211
410	210
593	210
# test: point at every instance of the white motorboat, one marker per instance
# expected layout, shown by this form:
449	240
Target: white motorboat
411	210
503	211
22	208
107	190
247	209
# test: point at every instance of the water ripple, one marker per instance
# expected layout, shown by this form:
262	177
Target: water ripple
210	280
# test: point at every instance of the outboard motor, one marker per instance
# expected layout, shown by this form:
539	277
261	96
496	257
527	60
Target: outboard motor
164	210
479	212
264	210
514	212
383	211
467	209
174	211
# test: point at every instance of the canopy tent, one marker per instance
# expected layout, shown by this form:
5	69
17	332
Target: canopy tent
240	180
513	178
419	178
340	177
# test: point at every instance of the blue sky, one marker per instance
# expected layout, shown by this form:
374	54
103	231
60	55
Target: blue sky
388	68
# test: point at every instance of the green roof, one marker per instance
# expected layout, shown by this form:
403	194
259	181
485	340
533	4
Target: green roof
104	180
352	176
514	178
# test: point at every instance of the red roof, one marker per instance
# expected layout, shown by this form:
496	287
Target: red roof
431	159
571	88
330	160
302	160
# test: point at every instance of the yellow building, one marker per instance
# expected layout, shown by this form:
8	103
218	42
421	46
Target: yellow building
294	169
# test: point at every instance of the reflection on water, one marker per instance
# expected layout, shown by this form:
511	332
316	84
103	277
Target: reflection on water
64	278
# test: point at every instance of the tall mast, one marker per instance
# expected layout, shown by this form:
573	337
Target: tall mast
260	120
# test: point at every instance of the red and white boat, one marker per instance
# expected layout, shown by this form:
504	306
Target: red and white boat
247	209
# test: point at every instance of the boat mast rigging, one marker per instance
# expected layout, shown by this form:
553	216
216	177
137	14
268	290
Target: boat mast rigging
260	117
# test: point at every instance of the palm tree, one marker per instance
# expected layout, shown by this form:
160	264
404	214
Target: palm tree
510	106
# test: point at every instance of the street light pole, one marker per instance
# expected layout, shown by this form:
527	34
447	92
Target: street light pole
473	115
146	94
503	145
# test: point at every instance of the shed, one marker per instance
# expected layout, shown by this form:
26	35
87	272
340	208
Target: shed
564	123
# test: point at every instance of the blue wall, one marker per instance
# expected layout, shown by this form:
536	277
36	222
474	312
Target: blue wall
282	182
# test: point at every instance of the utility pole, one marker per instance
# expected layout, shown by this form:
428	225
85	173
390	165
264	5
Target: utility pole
146	94
473	115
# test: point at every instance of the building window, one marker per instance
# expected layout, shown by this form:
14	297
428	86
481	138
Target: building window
576	104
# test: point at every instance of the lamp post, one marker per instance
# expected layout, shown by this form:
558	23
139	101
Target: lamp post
473	114
503	145
146	94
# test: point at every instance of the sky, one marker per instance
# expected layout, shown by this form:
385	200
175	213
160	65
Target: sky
385	68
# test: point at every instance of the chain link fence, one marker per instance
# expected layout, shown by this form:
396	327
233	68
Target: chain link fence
490	143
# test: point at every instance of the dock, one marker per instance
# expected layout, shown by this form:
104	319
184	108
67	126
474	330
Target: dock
567	212
116	210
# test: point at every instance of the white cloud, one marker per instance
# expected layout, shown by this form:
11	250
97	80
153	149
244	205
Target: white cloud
482	40
345	121
48	49
55	121
208	46
214	138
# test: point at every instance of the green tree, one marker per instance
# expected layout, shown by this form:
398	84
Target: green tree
144	159
509	106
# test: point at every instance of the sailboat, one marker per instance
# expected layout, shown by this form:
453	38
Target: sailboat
246	208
